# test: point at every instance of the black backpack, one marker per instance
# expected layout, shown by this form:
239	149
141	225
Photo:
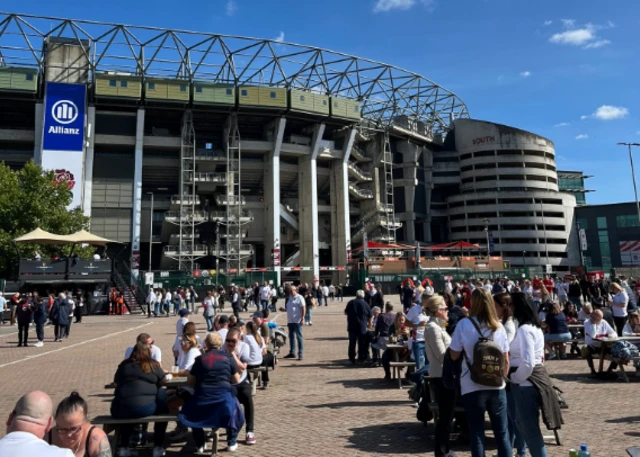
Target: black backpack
488	361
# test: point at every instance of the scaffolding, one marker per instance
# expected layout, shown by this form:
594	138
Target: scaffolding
234	251
387	198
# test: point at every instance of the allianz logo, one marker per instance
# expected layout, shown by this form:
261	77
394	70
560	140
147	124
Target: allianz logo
64	112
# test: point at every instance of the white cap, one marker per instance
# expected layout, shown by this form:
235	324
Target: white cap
428	290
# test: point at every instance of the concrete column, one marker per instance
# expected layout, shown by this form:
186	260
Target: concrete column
308	213
427	160
410	154
272	245
136	216
340	220
38	132
88	161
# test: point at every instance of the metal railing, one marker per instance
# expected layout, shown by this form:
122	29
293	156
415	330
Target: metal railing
186	199
222	200
198	249
207	177
198	216
363	193
364	175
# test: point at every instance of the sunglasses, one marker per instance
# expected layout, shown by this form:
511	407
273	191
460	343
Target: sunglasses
231	341
69	431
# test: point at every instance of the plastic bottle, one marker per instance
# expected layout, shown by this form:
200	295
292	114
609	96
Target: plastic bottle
584	451
573	453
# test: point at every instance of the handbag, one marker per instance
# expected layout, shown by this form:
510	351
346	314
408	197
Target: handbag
451	371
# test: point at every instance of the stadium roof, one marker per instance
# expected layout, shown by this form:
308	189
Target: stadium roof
387	93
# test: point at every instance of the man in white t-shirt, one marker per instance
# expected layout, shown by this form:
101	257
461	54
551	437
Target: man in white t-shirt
295	309
325	295
241	354
156	354
29	421
223	323
265	296
151	303
182	321
594	328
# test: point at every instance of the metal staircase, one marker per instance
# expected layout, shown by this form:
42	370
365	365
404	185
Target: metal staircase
234	252
387	197
186	251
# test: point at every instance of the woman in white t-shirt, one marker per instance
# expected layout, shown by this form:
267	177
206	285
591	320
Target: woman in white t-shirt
477	398
258	355
527	353
209	304
619	306
189	350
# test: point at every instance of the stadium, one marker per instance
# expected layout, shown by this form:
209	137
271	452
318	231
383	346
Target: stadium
204	151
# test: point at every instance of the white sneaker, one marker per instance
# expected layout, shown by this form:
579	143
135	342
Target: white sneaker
251	438
39	344
158	452
200	450
232	447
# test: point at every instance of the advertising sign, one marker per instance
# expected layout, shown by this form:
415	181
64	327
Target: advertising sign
629	253
63	135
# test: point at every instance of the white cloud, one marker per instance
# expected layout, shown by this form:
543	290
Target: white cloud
608	113
547	23
574	37
562	124
383	6
597	44
279	38
582	118
585	36
231	7
582	136
525	74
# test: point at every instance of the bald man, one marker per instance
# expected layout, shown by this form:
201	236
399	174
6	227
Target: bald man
594	328
29	421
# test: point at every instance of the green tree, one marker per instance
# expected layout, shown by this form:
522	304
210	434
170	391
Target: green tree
30	198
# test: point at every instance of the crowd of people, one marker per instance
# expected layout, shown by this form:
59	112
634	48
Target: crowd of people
31	309
483	345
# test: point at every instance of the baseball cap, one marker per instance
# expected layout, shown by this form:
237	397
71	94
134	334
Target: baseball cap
223	320
258	314
184	312
428	291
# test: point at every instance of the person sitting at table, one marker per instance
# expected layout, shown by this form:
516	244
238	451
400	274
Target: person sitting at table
156	354
375	354
213	404
189	328
400	331
632	328
570	313
383	324
139	394
73	430
585	313
596	327
558	332
258	355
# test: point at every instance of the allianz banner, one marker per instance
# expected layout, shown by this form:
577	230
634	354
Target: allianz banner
63	138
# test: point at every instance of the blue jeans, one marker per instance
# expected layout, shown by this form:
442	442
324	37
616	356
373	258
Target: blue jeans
307	315
419	354
264	303
515	437
295	332
209	321
527	409
125	412
494	402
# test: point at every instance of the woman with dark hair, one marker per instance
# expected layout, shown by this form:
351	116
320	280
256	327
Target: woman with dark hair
503	309
455	312
73	431
558	332
139	394
527	355
478	398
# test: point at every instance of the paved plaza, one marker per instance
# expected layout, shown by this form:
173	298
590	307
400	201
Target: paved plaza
320	406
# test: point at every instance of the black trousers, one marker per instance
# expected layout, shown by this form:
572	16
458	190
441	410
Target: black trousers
363	349
236	312
620	323
246	400
61	330
446	400
40	331
23	333
591	350
267	362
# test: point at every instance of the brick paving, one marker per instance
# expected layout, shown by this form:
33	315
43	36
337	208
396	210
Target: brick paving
316	407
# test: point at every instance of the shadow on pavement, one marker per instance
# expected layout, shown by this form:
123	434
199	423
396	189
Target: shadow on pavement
583	378
330	338
399	438
367	384
361	404
623	420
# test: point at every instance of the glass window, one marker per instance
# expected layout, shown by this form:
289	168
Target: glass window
324	103
113	83
302	98
183	88
627	220
583	223
198	89
230	92
243	92
601	222
124	83
29	76
272	94
356	108
151	86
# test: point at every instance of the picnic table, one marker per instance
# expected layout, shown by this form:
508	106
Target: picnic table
607	343
396	365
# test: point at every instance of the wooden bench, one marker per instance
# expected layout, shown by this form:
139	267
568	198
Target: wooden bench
396	370
433	407
621	363
254	377
110	424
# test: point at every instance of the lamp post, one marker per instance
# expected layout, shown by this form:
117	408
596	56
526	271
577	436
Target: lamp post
150	230
633	174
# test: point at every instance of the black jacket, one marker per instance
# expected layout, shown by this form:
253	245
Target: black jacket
549	405
358	315
59	313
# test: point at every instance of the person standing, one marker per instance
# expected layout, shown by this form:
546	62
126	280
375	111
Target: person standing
40	318
378	298
151	303
437	342
79	309
59	316
24	313
332	292
209	305
236	302
3	307
295	308
619	306
483	390
193	296
340	292
325	295
265	295
29	421
358	319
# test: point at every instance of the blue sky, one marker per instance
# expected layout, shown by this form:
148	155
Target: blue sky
567	70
